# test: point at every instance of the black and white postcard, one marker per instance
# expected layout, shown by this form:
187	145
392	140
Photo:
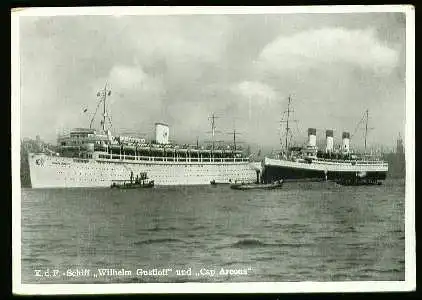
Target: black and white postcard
213	149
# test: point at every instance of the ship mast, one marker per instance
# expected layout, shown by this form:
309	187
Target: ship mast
234	139
104	107
365	119
288	111
103	93
366	127
235	142
287	122
213	130
234	133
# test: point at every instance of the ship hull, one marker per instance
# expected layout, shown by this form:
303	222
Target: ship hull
63	172
275	169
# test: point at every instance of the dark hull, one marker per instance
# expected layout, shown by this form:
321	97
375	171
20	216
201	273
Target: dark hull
358	183
269	186
213	182
132	186
274	173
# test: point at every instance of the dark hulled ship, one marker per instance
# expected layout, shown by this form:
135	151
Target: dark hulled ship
310	163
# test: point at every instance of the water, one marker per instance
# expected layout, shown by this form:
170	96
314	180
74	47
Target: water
302	232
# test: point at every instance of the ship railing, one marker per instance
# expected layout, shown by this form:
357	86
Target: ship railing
379	162
108	156
357	161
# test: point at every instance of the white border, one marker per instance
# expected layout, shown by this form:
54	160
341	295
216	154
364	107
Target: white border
410	225
256	287
207	10
15	149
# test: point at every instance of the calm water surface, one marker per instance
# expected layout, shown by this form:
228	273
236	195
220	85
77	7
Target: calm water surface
302	232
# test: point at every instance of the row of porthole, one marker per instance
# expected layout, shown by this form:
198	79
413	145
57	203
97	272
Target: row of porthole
226	169
194	167
178	163
172	173
168	174
162	173
101	179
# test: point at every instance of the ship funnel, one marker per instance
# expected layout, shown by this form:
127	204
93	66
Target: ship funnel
109	137
330	141
312	137
161	133
346	142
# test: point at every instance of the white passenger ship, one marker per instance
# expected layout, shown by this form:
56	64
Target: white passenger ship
87	158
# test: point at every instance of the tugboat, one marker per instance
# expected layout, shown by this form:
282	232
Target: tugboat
353	182
257	186
214	182
140	181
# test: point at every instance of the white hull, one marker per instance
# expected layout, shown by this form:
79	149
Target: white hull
63	172
327	166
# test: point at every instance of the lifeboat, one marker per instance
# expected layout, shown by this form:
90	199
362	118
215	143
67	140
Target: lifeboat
115	147
129	148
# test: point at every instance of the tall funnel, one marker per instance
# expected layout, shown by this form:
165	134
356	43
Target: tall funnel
161	133
346	142
312	137
330	141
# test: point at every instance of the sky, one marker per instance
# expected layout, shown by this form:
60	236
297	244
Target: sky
181	69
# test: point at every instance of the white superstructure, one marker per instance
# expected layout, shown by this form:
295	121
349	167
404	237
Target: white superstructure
329	165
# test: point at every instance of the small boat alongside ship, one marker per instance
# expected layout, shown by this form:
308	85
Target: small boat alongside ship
358	182
257	186
214	182
141	181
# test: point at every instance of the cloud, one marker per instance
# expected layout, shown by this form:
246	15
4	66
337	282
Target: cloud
329	46
136	99
254	98
129	77
179	69
178	40
254	90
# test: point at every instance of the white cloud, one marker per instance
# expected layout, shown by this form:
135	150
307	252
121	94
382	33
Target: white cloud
136	96
179	40
328	46
161	67
258	96
254	90
128	77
